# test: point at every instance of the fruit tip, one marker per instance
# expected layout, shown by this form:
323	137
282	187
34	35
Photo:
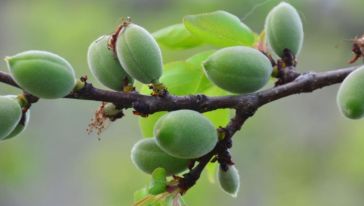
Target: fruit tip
7	59
235	194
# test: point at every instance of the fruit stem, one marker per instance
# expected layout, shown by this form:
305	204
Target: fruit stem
23	101
79	85
158	89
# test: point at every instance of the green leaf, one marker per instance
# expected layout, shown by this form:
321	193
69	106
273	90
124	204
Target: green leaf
140	194
146	124
184	78
180	78
176	37
211	172
219	28
196	60
159	181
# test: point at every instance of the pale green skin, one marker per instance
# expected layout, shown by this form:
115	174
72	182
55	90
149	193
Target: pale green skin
20	127
43	74
229	181
147	156
350	97
185	134
10	114
238	69
147	123
179	82
139	54
105	66
284	29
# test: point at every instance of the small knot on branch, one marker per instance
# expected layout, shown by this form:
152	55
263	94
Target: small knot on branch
141	108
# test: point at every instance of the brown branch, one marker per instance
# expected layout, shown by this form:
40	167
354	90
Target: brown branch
7	79
235	124
150	104
245	105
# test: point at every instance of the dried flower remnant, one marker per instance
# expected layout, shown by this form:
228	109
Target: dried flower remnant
106	113
115	34
99	122
358	48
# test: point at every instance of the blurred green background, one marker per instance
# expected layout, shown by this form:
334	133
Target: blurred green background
297	151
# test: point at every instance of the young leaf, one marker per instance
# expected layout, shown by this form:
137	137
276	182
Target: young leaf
159	181
140	194
181	78
196	60
211	172
176	37
146	124
219	28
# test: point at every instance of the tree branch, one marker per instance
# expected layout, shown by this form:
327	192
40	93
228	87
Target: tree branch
307	82
245	105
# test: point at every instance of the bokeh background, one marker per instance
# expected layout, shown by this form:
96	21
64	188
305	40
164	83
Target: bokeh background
296	151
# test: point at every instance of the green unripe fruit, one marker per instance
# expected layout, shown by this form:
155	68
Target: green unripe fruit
147	123
229	180
147	156
105	65
23	123
238	69
10	114
159	181
139	54
350	97
43	74
185	134
284	29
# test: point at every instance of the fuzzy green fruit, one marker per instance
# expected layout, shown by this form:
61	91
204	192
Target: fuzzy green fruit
105	65
181	78
229	180
10	114
23	122
238	69
284	29
350	97
43	74
185	134
22	125
139	54
147	156
147	123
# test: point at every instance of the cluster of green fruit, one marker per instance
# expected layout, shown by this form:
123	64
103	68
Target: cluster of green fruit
132	53
13	119
40	73
181	136
236	69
